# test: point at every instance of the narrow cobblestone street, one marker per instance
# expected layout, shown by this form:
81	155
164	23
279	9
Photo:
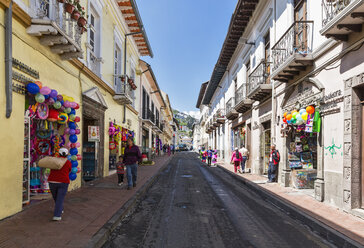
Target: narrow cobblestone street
192	205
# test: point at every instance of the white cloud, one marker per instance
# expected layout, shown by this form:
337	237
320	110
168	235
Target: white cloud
195	114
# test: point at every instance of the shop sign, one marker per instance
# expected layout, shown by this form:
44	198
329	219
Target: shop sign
93	133
329	103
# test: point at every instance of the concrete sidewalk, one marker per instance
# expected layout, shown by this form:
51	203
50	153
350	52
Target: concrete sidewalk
86	210
347	224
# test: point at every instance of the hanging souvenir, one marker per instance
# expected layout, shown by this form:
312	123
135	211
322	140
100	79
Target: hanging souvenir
42	111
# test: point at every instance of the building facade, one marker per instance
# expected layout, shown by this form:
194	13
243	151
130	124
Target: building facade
290	74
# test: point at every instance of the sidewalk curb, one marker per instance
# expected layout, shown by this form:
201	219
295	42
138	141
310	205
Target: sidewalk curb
323	230
103	233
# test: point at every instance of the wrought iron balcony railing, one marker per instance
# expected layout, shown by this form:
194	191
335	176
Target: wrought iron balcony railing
56	28
240	94
258	76
230	105
296	40
331	8
147	114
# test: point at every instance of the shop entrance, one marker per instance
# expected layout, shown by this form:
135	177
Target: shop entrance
90	152
265	145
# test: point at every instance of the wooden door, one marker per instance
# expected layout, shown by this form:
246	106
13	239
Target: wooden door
300	16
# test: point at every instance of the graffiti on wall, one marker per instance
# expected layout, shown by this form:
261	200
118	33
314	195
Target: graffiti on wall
333	149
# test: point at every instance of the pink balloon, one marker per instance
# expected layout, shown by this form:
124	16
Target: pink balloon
73	104
67	130
78	145
77	119
78	169
79	157
78	131
66	104
45	90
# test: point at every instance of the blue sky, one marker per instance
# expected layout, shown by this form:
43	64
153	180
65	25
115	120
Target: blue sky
186	39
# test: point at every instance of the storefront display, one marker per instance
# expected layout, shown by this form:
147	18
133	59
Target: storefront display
118	137
52	124
301	129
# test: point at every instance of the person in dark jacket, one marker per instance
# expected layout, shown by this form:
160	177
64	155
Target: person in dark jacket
273	165
58	183
132	156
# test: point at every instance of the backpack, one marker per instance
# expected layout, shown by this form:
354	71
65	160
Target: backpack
277	156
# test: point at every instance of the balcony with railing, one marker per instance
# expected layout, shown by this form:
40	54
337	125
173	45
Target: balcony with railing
259	86
57	28
122	92
242	102
220	116
342	17
231	113
293	51
148	116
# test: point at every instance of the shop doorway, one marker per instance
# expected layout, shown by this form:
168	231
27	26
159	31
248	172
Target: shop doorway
90	152
265	144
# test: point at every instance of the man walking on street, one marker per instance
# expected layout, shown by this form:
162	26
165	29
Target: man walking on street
209	156
245	154
273	165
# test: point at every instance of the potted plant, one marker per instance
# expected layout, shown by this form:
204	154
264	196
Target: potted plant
69	6
82	21
75	15
130	81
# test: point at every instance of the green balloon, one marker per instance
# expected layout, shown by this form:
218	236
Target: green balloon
73	157
72	117
39	98
57	105
67	110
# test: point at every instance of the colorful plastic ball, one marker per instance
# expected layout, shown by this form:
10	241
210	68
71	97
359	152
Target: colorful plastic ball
78	145
73	151
61	102
59	97
73	104
50	101
73	176
79	157
310	110
304	116
57	105
45	90
78	131
74	170
299	118
67	110
293	121
72	131
67	130
72	117
69	157
32	88
53	93
72	125
73	145
294	114
39	98
46	96
302	111
289	117
73	139
284	120
73	111
78	169
288	121
63	118
74	164
285	114
77	119
39	83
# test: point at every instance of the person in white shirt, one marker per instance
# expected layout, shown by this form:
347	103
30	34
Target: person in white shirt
245	154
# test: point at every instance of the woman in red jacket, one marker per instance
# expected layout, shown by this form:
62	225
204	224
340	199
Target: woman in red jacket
58	183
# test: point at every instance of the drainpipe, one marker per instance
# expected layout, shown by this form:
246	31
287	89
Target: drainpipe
8	59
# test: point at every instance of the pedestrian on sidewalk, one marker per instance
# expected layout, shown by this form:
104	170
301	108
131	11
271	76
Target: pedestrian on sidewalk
273	165
169	150
132	156
245	157
236	158
120	166
58	183
209	156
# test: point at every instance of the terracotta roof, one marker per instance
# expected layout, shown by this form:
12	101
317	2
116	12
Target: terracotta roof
239	21
202	93
132	18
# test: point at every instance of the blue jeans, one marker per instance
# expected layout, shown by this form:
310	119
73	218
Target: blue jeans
59	191
243	163
272	172
131	174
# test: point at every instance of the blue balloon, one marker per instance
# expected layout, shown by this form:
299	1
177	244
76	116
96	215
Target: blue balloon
72	125
33	88
74	164
61	102
73	112
46	96
73	151
55	99
289	121
69	157
73	139
74	170
72	176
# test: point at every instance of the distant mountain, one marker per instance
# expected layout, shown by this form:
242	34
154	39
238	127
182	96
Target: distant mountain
184	119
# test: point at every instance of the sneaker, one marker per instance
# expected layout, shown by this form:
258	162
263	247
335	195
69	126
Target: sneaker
55	218
120	184
129	188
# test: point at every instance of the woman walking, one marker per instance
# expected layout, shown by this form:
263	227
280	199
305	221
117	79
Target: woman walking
236	157
169	150
58	183
132	156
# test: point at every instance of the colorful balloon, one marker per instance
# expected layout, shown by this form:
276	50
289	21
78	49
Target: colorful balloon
73	151
77	106
39	98
59	97
32	88
39	83
78	131
73	139
57	105
53	93
45	90
285	114
72	125
67	130
72	176
77	119
310	110
79	157
74	170
72	131
302	111
63	118
72	117
78	169
73	157
66	104
289	117
78	145
304	116
284	120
